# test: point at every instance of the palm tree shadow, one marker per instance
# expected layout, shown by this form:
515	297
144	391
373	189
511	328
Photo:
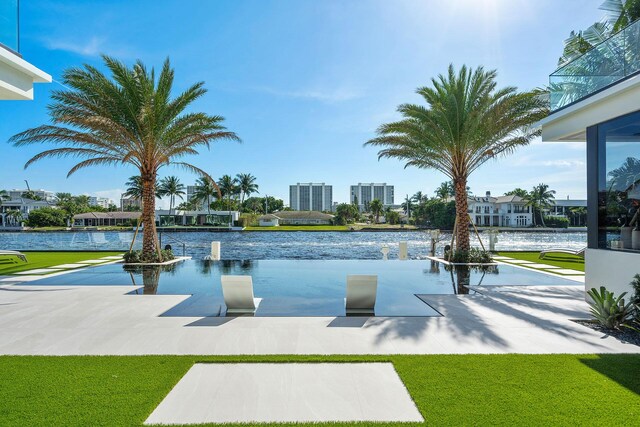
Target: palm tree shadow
624	369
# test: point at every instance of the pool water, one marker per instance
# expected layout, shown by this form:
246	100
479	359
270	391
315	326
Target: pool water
301	287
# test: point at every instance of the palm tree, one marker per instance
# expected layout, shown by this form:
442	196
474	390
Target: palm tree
14	216
407	205
376	207
205	190
539	199
419	197
30	195
172	187
247	185
135	188
445	190
127	117
517	192
228	188
64	197
466	122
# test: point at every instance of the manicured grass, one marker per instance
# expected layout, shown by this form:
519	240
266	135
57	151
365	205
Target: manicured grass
47	259
448	389
300	228
559	260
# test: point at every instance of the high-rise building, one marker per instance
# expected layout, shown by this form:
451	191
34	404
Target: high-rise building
103	202
363	194
311	197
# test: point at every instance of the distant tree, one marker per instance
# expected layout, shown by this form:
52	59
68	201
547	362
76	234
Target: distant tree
4	195
14	216
206	190
517	192
172	187
30	195
247	185
539	199
253	205
47	217
228	188
418	197
135	188
444	190
346	213
392	217
407	205
63	197
376	208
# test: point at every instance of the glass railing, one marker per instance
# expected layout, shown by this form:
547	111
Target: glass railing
605	64
9	26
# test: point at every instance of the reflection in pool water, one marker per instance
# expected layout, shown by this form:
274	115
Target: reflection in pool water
302	287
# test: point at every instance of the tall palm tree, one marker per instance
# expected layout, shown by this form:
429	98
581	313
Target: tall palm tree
517	192
228	188
14	216
419	197
64	197
127	117
206	189
539	199
172	187
247	185
135	188
376	207
407	205
466	122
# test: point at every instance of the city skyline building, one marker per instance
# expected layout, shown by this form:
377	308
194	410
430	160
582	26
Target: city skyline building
311	197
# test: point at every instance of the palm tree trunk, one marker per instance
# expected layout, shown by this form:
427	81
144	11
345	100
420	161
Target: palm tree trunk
462	214
149	244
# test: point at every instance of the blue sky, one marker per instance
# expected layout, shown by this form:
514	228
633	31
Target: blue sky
303	83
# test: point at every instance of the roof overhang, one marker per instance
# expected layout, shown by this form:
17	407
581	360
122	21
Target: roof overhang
17	77
571	122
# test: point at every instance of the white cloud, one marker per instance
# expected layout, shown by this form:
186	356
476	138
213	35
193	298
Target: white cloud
323	95
91	47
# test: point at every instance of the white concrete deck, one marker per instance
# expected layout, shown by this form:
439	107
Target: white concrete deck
104	320
287	392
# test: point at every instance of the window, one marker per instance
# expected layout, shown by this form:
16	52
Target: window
614	169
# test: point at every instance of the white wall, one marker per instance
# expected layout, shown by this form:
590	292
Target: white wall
611	269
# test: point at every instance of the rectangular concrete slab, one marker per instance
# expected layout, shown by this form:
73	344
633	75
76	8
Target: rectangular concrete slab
68	266
112	257
545	266
92	261
39	271
518	261
287	392
501	257
569	271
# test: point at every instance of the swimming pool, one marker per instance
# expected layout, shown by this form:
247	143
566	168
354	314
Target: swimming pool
300	287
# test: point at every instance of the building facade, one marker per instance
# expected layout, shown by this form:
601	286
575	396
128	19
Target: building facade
362	194
102	202
502	211
311	197
594	98
15	210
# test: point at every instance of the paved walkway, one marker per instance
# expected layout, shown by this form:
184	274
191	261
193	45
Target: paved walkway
105	320
566	273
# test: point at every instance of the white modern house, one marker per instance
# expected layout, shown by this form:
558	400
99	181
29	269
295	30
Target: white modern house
311	197
595	99
17	76
364	193
295	218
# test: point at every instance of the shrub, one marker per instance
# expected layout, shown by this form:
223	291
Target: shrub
556	222
248	220
609	311
135	257
635	284
472	256
47	217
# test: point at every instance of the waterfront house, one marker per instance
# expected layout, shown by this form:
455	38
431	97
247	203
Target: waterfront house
22	205
104	219
296	218
594	98
164	218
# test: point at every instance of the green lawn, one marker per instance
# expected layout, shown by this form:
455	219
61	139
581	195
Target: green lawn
559	260
47	259
448	389
300	228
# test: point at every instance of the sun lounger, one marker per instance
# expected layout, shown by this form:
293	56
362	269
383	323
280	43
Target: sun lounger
579	252
361	294
238	294
16	254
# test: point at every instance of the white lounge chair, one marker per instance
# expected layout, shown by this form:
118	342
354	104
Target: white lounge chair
16	254
238	294
361	294
579	252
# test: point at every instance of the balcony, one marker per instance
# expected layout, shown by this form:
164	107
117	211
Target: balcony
9	25
606	64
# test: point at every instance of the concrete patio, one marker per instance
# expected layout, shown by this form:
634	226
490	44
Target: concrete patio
104	320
